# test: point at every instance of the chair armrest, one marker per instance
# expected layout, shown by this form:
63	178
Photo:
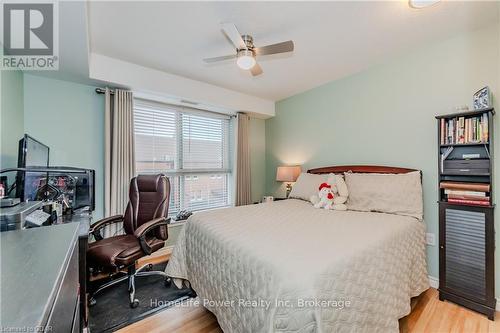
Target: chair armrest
96	227
141	232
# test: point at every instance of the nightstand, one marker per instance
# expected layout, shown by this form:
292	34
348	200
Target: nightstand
275	199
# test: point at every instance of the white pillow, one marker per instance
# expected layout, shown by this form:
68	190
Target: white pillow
307	184
386	193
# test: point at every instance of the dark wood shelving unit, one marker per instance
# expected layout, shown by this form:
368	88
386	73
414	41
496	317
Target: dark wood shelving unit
465	144
466	231
451	203
469	113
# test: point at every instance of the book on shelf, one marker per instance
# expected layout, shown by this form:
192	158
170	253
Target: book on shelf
462	130
469	202
467	193
478	187
468	197
444	131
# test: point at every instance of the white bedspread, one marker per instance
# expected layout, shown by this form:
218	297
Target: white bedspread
356	270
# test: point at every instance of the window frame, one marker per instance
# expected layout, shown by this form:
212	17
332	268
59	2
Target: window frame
180	172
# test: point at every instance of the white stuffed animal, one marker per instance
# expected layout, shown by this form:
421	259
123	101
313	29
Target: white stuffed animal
325	197
332	195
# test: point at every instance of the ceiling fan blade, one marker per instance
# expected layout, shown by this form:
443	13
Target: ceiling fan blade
215	59
256	70
274	48
230	30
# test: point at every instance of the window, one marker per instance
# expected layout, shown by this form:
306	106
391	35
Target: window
191	147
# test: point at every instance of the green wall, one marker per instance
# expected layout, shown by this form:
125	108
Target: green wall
11	116
69	118
385	115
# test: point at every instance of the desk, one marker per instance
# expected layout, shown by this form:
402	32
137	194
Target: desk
83	220
39	281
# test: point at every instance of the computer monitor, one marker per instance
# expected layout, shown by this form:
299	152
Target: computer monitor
31	153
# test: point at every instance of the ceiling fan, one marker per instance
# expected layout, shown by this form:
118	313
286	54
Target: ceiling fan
246	52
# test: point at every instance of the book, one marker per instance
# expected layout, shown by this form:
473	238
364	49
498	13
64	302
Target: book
442	132
450	131
474	130
485	137
467	130
469	202
468	193
468	197
461	130
479	187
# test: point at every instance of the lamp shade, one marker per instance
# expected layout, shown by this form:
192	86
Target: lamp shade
287	173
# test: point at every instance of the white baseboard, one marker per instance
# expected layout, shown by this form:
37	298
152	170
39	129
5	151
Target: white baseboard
434	282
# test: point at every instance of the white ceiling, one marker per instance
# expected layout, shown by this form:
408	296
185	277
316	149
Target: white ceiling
332	39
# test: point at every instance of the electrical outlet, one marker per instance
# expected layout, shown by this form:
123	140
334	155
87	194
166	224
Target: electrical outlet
430	239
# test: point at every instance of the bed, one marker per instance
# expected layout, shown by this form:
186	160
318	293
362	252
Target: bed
288	267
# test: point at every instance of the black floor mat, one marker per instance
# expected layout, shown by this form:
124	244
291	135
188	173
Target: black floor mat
112	310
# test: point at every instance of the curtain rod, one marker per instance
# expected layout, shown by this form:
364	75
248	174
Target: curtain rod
103	91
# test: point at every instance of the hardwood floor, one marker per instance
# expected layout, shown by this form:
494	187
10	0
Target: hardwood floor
428	315
162	255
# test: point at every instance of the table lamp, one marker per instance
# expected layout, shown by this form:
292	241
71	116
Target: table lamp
288	174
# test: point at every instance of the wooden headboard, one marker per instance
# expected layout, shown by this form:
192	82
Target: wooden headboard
360	169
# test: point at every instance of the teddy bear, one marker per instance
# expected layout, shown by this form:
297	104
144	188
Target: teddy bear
332	194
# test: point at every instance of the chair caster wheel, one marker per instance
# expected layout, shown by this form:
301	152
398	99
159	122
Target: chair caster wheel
92	301
134	304
167	282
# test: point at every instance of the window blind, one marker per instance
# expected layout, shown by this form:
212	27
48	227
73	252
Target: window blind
191	147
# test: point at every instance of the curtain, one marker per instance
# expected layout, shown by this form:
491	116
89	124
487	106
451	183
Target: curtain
243	184
119	161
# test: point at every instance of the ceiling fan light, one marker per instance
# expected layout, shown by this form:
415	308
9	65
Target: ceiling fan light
418	4
246	59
